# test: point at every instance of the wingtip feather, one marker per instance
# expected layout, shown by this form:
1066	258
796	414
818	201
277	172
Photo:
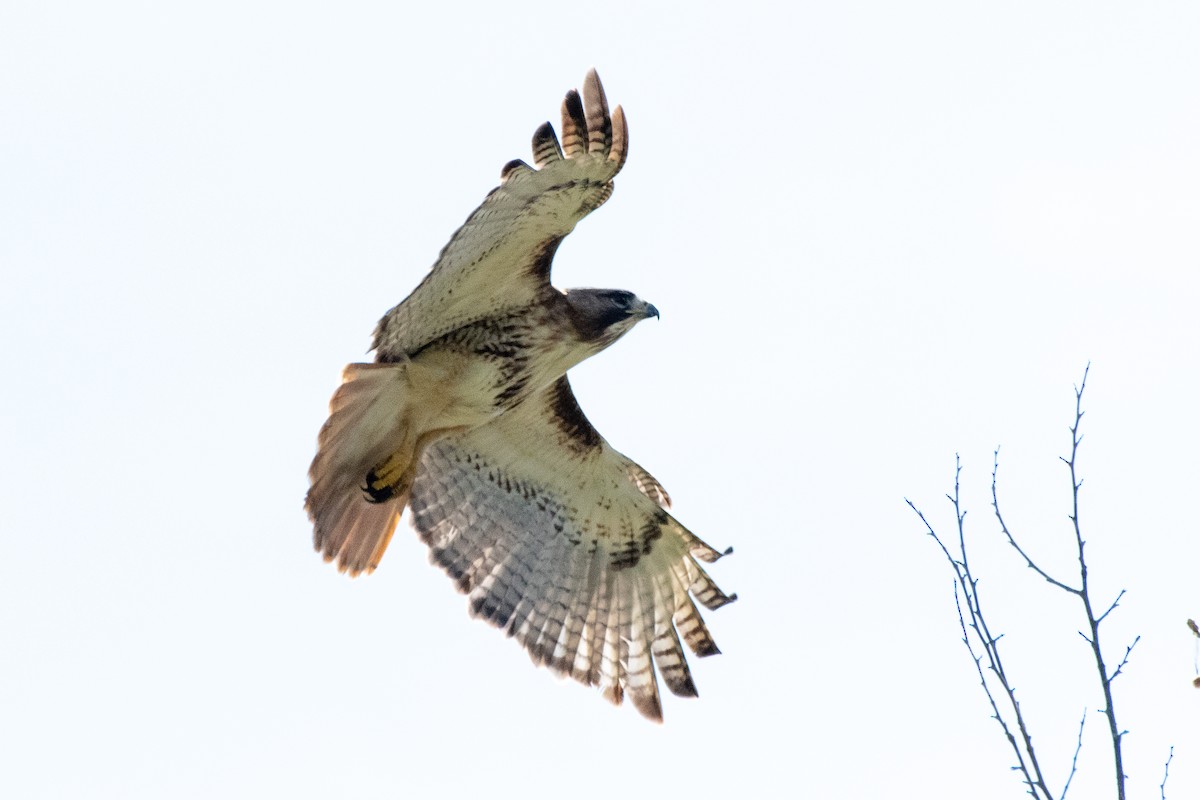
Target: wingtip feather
648	705
599	124
620	138
514	169
546	149
574	125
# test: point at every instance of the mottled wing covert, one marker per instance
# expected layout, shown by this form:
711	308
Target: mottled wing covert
500	258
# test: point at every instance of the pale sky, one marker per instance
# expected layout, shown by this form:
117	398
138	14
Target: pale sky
878	233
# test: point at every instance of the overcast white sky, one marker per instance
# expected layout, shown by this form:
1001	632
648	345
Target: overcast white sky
878	233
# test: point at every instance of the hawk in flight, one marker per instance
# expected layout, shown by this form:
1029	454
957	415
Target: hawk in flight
467	419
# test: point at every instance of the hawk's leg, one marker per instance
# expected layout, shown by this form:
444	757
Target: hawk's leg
388	479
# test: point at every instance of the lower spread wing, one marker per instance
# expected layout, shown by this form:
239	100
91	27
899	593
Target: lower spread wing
500	257
563	542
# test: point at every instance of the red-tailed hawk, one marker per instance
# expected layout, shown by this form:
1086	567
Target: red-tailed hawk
466	417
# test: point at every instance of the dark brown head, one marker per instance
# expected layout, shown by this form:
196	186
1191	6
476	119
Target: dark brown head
604	315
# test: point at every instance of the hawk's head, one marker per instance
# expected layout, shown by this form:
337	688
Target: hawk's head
604	315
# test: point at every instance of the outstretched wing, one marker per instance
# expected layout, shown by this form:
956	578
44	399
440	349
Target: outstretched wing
500	258
563	542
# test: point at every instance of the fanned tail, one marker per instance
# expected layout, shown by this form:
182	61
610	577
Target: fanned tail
363	470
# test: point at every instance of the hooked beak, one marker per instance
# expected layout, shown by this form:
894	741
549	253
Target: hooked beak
650	311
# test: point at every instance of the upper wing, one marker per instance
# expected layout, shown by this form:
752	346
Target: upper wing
500	258
560	540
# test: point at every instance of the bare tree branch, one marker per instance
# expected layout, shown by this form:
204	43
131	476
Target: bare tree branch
974	625
1083	590
987	690
967	586
1085	596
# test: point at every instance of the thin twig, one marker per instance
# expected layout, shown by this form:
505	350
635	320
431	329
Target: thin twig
1125	659
1115	603
1162	787
1074	758
1004	528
